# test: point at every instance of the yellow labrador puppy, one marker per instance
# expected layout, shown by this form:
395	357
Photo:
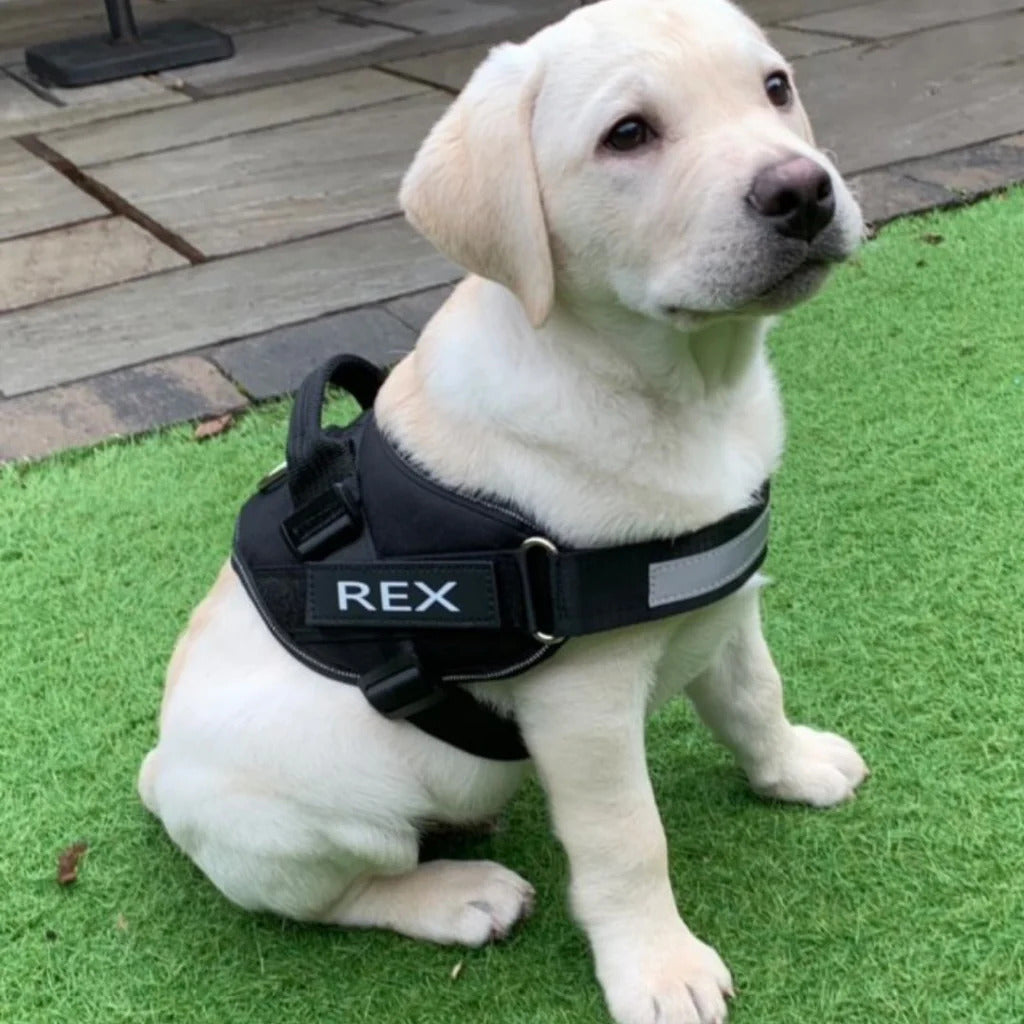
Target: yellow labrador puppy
635	190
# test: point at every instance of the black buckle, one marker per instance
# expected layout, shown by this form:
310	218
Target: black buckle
398	688
537	594
324	523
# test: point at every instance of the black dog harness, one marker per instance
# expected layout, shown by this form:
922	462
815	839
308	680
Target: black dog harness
372	573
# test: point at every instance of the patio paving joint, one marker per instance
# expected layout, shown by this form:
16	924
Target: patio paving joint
115	203
407	76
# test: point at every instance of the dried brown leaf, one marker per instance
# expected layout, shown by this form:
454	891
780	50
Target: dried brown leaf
932	239
67	863
213	427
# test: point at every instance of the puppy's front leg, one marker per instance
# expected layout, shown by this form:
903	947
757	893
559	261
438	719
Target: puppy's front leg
583	725
740	699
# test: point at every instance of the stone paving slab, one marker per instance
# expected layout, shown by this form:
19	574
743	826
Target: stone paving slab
18	103
21	116
920	94
286	182
449	69
275	363
435	17
193	123
771	12
793	44
416	310
122	403
198	306
530	16
279	48
884	19
73	259
34	197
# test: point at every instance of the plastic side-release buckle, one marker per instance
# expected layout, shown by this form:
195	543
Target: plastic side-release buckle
398	688
324	523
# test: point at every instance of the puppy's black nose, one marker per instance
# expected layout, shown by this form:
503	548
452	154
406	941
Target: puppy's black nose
795	197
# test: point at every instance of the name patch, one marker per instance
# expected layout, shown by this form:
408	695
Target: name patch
430	594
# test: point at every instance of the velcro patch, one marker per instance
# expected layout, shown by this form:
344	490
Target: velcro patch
402	594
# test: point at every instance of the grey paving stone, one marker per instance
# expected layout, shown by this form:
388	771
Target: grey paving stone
125	402
792	44
72	259
882	19
436	17
198	306
416	310
886	194
769	12
18	103
974	171
34	197
293	46
449	69
920	94
275	363
286	182
193	123
142	90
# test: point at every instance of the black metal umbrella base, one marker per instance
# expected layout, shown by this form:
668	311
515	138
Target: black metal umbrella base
127	51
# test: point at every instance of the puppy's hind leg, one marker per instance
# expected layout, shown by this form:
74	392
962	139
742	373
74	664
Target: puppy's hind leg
740	699
451	902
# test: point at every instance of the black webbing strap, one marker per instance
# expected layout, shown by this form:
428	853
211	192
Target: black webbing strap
549	593
397	688
316	458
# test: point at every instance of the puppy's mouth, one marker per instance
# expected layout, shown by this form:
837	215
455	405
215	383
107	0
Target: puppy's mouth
794	286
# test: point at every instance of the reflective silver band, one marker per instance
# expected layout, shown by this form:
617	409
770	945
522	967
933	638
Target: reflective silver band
682	579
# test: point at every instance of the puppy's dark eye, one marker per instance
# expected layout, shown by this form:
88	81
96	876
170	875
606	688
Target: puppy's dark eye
779	89
628	134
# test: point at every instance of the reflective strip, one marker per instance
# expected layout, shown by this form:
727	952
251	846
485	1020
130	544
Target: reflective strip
682	579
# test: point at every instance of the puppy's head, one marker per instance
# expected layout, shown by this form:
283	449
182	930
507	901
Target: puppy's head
649	153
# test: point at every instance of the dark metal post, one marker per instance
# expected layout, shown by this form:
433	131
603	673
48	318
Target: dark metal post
121	18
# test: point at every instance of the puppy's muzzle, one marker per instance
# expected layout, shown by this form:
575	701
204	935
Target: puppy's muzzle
795	197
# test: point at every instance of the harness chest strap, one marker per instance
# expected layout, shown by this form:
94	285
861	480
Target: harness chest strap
555	594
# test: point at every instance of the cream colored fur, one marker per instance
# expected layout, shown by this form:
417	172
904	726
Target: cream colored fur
607	373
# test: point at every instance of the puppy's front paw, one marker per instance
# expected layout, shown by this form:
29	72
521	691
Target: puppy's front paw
679	981
816	768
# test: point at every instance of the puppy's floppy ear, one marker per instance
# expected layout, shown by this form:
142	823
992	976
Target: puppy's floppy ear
472	188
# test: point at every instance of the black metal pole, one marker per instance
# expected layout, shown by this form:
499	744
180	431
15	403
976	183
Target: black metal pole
122	21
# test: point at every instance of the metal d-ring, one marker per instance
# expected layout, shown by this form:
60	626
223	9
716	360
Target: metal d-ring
544	544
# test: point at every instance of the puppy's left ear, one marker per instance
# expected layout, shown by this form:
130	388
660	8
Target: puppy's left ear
472	188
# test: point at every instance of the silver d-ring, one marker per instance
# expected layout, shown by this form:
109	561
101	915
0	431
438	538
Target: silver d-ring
545	545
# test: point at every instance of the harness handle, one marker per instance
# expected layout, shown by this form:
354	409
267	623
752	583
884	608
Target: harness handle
315	456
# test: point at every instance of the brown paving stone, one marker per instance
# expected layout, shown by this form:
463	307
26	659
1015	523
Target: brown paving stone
74	259
122	403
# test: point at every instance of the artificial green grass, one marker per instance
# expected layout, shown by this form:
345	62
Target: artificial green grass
896	618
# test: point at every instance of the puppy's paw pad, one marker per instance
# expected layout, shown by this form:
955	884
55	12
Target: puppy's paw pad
818	768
